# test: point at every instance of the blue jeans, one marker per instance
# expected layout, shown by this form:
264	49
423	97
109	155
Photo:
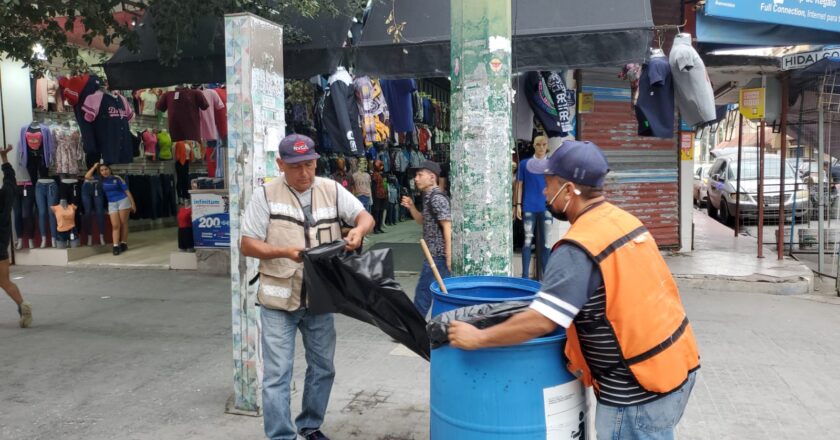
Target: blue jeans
650	421
93	200
365	202
278	343
423	291
530	222
46	195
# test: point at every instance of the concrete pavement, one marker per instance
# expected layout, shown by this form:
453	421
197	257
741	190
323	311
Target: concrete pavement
137	354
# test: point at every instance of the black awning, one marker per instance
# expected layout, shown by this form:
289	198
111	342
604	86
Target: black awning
547	35
204	60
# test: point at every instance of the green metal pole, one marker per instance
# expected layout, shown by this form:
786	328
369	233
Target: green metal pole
482	228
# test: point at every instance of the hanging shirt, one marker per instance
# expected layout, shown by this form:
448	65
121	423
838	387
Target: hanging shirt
164	144
694	95
110	116
148	102
559	95
209	132
655	106
183	107
362	181
65	217
398	96
150	141
68	150
371	103
221	114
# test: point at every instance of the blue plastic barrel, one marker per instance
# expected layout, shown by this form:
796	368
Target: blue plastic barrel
472	290
522	392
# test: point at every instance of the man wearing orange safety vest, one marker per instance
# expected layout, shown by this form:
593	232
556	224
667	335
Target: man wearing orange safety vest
608	285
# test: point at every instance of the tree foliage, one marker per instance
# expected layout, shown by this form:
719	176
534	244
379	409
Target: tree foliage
25	23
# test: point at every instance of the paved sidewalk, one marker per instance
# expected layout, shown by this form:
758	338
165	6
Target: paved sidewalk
136	354
720	261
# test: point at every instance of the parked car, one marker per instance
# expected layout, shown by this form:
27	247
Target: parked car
701	183
722	193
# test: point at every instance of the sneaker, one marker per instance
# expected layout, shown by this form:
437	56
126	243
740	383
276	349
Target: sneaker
123	247
316	435
116	250
26	315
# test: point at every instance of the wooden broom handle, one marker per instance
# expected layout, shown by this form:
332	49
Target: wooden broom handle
433	266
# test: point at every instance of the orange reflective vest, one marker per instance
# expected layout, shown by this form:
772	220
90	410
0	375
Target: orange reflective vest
643	303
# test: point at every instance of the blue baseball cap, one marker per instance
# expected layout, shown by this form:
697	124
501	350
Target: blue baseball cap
576	161
296	148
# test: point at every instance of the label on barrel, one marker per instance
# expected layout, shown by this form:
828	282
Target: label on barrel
565	411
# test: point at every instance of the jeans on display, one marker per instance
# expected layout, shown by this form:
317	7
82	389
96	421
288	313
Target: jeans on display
24	211
156	197
365	202
392	213
530	222
278	344
423	291
93	201
46	195
650	421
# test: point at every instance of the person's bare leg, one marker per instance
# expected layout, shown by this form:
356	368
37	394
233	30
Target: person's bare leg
124	225
24	309
7	284
115	227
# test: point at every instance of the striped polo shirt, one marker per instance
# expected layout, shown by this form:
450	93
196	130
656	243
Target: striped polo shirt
573	291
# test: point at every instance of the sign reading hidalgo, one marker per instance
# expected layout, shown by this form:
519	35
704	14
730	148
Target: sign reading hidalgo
813	14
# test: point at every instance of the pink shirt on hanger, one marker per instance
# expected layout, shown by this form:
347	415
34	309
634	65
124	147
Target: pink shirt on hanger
209	131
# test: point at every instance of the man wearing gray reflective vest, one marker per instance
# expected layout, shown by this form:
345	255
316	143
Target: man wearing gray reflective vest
295	212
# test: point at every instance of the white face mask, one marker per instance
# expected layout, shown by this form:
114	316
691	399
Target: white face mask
562	214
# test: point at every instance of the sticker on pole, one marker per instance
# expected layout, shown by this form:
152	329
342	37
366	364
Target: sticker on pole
752	103
565	411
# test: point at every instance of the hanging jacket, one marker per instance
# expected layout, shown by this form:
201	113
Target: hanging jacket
643	306
341	117
110	116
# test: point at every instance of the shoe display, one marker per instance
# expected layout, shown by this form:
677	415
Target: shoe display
25	315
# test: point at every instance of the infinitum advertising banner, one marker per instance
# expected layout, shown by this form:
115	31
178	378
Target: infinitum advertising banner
813	14
211	220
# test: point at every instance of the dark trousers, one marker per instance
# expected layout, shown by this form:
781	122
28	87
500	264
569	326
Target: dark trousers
25	211
182	180
378	211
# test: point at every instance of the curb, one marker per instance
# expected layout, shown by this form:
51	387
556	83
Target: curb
756	284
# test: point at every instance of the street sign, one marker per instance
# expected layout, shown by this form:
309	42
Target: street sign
751	103
805	59
813	14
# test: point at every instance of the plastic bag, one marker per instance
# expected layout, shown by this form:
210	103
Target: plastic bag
480	315
362	286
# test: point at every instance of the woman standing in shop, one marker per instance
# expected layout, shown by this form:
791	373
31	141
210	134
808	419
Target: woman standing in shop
120	203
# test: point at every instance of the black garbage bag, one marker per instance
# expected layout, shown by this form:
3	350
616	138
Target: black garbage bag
363	287
479	315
